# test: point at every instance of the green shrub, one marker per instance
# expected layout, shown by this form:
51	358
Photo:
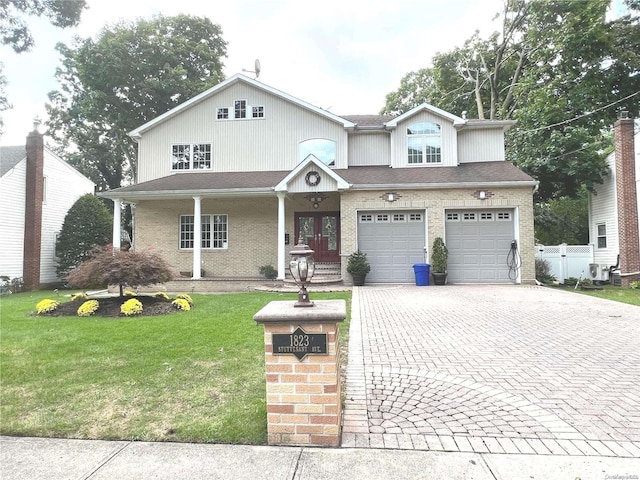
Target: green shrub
88	308
635	285
267	271
87	224
543	271
358	264
131	307
439	256
46	306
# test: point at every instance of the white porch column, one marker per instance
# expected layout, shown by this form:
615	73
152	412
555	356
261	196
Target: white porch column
281	228
197	237
117	214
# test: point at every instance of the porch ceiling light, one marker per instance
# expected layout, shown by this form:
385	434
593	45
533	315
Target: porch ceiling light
302	266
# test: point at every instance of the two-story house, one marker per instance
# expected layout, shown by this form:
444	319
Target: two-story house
38	189
230	179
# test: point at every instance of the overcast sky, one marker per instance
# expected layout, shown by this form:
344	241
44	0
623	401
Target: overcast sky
341	55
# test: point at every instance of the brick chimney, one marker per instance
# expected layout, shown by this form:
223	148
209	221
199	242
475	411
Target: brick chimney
33	209
626	197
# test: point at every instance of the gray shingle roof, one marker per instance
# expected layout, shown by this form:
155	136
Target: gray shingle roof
10	156
368	120
359	177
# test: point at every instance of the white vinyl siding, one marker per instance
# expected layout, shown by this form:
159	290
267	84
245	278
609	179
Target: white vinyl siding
65	185
369	149
273	143
603	211
12	186
481	145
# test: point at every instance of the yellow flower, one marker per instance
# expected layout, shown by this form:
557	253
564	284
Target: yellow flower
131	307
46	306
88	308
181	304
161	295
186	297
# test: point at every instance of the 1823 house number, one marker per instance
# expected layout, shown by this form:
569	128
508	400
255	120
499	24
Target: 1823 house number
299	343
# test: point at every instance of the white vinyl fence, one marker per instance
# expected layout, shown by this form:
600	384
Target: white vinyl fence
567	260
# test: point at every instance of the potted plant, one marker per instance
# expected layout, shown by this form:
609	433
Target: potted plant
358	266
439	257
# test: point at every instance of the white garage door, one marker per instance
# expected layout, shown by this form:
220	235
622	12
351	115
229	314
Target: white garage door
393	242
479	242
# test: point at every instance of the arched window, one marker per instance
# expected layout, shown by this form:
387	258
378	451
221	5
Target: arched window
321	148
423	143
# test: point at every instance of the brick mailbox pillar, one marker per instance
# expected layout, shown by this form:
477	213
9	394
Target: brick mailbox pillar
302	364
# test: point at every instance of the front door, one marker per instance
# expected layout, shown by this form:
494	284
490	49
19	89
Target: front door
321	231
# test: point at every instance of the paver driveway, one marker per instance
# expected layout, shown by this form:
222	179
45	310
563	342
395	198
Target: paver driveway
500	369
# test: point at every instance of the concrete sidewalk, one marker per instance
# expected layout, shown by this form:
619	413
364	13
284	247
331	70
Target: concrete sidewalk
57	459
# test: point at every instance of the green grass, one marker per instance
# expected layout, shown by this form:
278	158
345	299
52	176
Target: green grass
190	376
619	294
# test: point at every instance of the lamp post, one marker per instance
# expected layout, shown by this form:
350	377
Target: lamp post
302	267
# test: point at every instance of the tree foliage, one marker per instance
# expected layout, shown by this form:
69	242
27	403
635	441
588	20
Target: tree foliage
563	220
14	31
557	67
87	224
131	268
131	73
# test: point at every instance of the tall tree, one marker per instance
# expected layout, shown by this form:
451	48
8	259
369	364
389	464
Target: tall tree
128	75
15	33
559	68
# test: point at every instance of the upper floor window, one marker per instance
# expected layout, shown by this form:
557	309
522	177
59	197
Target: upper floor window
223	113
191	156
323	149
240	109
423	143
257	112
602	235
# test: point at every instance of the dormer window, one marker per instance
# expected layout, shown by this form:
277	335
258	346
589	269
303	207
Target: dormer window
424	143
323	149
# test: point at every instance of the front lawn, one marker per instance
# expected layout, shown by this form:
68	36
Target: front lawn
619	294
193	376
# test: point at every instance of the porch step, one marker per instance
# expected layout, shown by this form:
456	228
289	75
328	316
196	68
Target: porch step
326	272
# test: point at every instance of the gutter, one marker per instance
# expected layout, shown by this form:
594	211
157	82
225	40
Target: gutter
440	186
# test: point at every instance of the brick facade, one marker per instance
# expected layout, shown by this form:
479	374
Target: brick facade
626	198
34	196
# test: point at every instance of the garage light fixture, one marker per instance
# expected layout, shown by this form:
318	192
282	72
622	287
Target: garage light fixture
482	195
391	196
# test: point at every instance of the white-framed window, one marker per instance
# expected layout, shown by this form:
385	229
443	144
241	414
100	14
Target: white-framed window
399	217
240	109
468	217
503	216
424	143
321	148
214	230
222	113
257	112
602	235
366	218
486	216
415	217
191	156
453	217
382	217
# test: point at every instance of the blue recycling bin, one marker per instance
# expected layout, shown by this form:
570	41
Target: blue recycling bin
422	274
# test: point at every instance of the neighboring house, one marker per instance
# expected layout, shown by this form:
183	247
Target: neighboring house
261	168
614	209
38	188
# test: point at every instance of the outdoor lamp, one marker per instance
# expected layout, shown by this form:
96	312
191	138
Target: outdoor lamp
302	267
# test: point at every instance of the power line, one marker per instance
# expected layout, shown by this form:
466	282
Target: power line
564	122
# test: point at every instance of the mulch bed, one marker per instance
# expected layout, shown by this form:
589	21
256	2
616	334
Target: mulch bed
110	307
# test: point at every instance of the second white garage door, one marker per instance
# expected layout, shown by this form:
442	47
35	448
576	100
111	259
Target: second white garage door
393	242
479	243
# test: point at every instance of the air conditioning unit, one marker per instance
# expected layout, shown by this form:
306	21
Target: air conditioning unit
599	272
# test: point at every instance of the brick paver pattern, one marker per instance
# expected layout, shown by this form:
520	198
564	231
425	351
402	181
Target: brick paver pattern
498	369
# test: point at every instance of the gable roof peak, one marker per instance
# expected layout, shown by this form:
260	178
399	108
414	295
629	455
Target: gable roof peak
428	108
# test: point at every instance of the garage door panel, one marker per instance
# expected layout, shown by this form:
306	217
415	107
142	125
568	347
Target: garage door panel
478	248
392	247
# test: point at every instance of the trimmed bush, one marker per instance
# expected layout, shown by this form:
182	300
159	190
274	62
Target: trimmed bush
46	306
88	308
130	293
181	304
161	295
131	307
79	296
